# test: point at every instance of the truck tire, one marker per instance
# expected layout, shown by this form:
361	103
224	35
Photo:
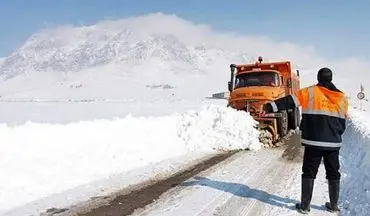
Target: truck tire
294	119
283	124
298	117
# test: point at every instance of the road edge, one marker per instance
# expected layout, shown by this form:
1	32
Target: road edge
193	167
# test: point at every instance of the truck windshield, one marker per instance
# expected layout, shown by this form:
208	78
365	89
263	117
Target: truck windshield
257	79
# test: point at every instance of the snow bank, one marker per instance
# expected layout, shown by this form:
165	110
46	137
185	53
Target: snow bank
38	160
355	165
218	128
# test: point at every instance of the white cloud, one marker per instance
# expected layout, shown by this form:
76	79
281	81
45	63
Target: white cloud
348	73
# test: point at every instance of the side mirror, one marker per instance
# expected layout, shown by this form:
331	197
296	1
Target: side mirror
297	72
232	71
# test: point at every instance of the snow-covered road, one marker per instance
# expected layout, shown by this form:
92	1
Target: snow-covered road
248	183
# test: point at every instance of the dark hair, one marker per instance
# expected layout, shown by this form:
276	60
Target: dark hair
324	75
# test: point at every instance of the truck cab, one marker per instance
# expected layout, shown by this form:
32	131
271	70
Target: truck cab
252	85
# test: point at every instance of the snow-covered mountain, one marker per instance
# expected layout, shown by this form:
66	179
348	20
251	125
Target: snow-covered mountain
118	55
93	46
121	43
154	49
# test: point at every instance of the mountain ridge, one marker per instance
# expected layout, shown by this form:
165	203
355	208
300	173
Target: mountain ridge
73	49
155	46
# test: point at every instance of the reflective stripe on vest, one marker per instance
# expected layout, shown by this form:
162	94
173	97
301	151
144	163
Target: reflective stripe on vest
311	98
320	143
311	107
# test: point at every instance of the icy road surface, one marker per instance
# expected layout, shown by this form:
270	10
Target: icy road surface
248	183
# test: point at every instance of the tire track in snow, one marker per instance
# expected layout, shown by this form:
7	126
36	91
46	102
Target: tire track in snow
222	199
251	183
256	196
260	201
169	201
126	201
223	184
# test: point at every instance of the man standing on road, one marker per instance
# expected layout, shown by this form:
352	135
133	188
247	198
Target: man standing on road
324	114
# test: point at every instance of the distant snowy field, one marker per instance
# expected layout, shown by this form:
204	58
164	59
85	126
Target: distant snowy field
40	97
64	112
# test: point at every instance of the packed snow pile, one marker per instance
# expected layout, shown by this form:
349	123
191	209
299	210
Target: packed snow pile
355	165
38	160
219	128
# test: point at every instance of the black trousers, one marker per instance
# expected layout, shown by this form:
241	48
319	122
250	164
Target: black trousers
312	159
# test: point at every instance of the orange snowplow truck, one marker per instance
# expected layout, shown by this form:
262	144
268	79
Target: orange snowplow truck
253	85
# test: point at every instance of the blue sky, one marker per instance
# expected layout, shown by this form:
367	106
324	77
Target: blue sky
336	28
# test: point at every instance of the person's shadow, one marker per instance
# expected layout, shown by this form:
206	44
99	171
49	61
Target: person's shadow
247	192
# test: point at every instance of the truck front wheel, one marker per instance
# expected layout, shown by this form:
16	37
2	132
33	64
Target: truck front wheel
283	125
294	119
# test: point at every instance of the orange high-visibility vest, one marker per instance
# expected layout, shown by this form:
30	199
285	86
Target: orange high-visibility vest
323	115
319	100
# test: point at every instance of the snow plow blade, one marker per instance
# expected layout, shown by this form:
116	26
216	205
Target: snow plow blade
269	125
